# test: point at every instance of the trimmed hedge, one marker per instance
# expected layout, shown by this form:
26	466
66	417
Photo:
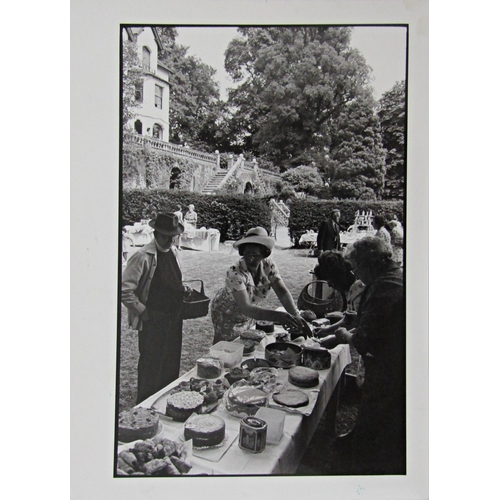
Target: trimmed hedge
307	214
232	215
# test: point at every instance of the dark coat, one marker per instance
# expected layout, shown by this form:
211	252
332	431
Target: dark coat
328	235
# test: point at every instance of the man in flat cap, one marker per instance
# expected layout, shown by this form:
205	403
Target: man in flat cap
152	292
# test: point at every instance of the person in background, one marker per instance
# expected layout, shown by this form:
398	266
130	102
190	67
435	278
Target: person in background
127	245
329	233
248	283
377	444
152	291
379	223
191	217
177	239
396	233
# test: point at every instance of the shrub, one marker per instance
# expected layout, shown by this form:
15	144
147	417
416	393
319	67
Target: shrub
306	214
232	215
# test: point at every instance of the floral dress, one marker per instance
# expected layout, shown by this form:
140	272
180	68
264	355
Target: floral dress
227	317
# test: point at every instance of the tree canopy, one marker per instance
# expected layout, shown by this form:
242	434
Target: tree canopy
194	94
132	76
392	116
304	179
293	84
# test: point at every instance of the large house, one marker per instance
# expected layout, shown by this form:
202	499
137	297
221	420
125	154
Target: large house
176	167
152	117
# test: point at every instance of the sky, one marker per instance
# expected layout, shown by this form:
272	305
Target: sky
384	49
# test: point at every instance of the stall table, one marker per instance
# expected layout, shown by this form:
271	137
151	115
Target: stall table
200	239
282	458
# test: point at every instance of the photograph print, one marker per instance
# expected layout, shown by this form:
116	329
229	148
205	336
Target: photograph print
262	310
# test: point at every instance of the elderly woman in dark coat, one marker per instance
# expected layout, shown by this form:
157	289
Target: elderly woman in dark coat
377	443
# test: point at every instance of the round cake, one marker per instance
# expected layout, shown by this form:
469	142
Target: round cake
137	423
265	326
205	430
301	376
181	405
236	373
292	398
245	400
254	335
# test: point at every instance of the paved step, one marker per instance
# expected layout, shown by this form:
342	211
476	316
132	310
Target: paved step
214	182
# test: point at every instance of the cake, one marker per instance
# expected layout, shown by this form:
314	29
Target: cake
301	376
245	400
292	398
308	315
208	367
248	345
236	373
205	430
265	326
254	335
181	405
137	423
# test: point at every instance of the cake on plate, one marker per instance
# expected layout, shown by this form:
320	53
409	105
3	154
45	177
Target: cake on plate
292	398
302	376
181	405
137	423
205	430
265	326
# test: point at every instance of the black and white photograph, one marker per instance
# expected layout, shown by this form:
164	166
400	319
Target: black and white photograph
262	231
266	243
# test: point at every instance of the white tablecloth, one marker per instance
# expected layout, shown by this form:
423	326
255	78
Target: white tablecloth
201	239
283	458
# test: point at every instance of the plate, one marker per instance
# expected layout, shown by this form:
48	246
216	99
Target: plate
160	404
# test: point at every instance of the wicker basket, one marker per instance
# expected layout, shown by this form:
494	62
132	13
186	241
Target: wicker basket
195	303
318	302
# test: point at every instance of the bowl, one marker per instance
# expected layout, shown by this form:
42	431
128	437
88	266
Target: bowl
283	354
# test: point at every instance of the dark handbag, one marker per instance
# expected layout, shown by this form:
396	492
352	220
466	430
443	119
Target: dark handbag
194	303
318	301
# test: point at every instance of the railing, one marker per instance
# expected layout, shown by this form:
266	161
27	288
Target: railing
281	213
172	148
239	162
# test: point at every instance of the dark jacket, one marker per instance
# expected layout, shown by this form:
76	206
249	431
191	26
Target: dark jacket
328	235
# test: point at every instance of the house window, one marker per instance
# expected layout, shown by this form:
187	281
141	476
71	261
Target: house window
158	97
146	59
138	91
138	126
157	131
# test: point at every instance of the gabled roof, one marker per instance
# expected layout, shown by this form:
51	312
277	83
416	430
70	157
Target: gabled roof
133	31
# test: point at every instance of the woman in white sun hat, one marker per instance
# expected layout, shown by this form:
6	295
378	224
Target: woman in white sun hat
248	283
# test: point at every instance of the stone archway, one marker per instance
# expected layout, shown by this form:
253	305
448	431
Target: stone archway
249	189
175	179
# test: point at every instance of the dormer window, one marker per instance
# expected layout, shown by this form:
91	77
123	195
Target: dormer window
158	97
146	59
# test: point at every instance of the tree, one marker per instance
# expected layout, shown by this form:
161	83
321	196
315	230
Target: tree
357	166
392	116
132	77
293	84
304	179
195	104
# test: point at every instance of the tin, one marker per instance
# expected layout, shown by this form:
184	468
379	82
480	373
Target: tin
253	434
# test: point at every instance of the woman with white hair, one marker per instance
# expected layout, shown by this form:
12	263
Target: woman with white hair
377	443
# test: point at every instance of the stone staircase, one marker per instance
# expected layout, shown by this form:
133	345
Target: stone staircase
214	182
